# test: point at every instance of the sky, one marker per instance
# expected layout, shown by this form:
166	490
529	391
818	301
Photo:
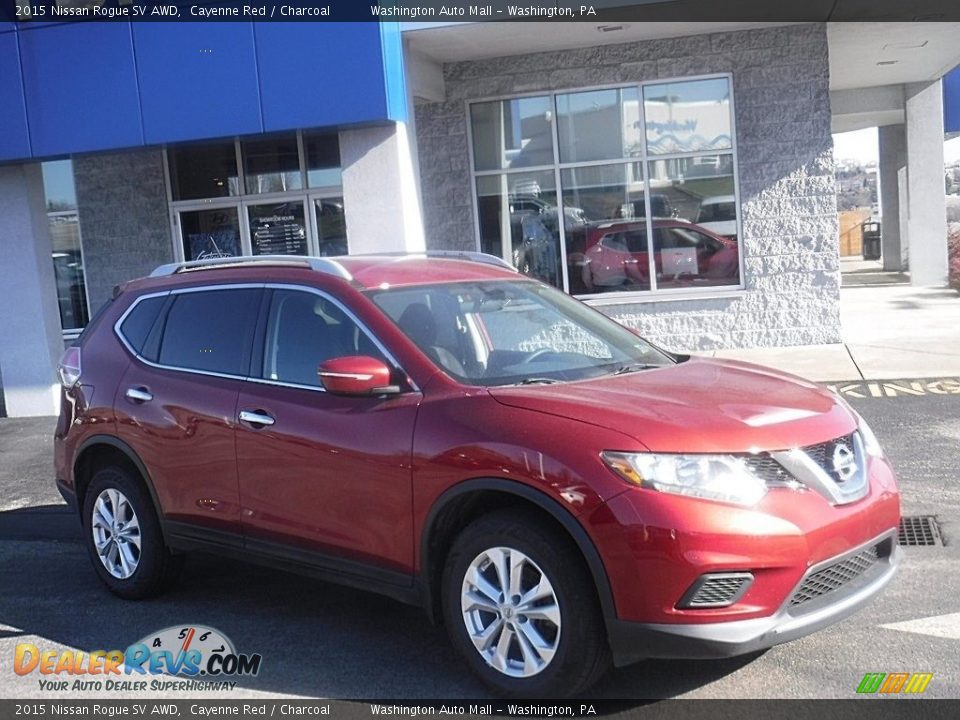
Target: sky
861	145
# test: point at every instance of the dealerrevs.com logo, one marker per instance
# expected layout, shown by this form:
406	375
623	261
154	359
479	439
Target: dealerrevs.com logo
204	657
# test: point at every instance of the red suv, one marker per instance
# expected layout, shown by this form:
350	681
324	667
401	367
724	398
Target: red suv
555	490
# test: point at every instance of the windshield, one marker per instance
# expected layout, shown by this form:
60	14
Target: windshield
717	212
509	332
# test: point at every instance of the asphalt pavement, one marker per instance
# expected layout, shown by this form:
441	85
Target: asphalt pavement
320	640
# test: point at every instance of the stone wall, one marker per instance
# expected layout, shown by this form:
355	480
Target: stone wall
122	203
787	187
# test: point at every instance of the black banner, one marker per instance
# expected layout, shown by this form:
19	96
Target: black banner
427	11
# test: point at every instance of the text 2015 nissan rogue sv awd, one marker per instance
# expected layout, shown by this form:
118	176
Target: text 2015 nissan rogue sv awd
555	490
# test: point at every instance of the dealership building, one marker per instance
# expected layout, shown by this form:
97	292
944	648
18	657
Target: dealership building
677	176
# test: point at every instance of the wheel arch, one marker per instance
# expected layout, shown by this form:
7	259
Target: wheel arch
471	499
99	448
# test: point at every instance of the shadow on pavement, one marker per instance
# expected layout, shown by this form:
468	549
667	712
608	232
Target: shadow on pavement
316	639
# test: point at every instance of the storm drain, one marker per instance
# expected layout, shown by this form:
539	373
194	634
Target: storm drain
919	530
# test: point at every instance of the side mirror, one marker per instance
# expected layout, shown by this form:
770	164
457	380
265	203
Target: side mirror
356	375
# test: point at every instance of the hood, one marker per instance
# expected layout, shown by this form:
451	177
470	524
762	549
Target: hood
701	405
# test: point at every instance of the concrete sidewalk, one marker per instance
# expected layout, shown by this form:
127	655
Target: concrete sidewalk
890	331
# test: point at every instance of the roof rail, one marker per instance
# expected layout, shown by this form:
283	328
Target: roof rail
325	265
466	255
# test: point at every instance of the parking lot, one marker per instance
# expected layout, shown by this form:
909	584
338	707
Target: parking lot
320	640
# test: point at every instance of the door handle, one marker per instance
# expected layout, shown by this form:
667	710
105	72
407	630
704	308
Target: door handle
139	394
256	417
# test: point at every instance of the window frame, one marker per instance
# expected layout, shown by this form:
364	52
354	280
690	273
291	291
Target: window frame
654	294
241	202
259	339
72	333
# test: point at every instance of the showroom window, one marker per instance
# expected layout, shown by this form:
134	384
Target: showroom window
626	189
265	195
67	249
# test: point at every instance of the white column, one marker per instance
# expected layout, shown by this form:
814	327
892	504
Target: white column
892	140
927	213
380	190
30	335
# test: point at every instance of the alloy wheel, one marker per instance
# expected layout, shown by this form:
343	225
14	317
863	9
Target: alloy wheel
116	533
511	612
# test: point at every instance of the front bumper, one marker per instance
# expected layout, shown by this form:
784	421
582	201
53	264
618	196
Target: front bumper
633	641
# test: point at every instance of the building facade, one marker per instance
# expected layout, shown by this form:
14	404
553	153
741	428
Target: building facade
755	129
683	184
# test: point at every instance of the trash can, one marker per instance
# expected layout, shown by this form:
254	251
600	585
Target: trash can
871	240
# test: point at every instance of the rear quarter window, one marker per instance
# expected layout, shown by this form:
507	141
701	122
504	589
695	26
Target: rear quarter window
136	327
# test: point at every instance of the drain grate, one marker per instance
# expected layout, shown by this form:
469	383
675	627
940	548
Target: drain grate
919	530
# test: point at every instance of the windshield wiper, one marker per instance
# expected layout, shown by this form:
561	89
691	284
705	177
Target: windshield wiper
538	381
634	367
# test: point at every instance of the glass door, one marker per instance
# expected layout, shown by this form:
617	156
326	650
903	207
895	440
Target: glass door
210	233
330	225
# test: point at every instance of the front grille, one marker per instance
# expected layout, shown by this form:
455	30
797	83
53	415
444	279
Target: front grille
835	576
768	469
822	455
716	590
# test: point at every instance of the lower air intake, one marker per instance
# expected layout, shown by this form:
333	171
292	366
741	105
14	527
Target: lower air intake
716	590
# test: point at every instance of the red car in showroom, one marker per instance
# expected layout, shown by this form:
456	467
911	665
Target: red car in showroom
558	492
615	256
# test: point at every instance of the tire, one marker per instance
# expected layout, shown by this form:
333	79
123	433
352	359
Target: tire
569	647
144	570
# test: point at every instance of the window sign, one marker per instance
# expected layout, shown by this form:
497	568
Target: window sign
213	233
686	117
278	229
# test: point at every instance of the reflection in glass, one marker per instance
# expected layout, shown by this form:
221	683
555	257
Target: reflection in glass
58	187
599	125
331	226
271	164
204	171
688	116
699	247
278	228
212	233
523	208
607	248
323	159
512	133
68	269
67	254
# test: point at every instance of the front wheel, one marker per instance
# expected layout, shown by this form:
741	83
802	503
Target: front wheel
520	606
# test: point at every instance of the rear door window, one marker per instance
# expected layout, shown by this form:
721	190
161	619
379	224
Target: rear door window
211	331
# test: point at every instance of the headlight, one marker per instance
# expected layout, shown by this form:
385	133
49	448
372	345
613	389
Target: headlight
870	443
713	477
